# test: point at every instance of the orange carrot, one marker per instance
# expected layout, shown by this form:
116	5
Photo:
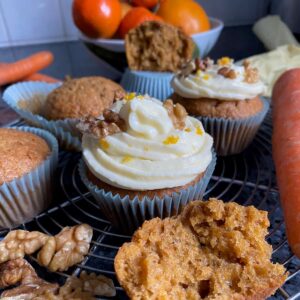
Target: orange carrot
37	77
40	77
20	69
286	151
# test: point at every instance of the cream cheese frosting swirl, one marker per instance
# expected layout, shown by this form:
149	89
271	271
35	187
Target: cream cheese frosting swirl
151	154
210	84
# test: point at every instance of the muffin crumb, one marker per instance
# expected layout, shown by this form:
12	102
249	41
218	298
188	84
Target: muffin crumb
213	250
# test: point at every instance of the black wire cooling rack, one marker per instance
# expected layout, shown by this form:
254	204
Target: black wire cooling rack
248	179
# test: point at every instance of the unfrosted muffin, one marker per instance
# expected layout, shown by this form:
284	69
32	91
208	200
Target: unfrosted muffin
212	250
145	153
225	97
77	98
27	164
155	51
21	152
157	46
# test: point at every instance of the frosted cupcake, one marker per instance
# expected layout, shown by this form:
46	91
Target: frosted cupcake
226	98
145	159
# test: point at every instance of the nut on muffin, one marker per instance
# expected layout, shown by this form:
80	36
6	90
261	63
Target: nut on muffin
77	98
21	152
157	46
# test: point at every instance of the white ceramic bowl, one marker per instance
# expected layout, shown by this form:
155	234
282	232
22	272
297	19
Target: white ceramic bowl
204	40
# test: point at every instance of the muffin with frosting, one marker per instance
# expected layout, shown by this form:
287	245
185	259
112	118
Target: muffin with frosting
226	98
144	159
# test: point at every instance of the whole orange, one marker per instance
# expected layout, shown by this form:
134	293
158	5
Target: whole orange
134	18
187	14
125	8
145	3
97	18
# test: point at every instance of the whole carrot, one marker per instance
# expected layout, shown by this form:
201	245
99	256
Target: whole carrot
286	151
20	69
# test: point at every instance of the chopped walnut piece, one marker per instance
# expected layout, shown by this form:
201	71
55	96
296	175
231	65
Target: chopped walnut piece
20	271
227	73
203	64
66	248
177	113
112	123
18	243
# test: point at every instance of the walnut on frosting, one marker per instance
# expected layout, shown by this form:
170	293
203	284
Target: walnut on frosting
177	113
227	73
203	64
112	123
251	74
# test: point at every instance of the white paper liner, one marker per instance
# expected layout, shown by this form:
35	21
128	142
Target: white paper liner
65	130
233	136
155	84
128	214
23	198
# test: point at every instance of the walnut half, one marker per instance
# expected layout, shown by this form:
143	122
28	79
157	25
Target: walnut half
19	243
177	113
251	74
20	271
66	248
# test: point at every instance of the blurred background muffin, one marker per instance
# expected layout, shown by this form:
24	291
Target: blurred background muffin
225	97
81	97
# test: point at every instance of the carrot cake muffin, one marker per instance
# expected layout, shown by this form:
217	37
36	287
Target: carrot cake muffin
225	97
27	164
157	46
76	98
221	89
144	149
212	250
21	152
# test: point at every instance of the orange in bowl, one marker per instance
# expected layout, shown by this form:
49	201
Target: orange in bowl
97	18
134	18
188	15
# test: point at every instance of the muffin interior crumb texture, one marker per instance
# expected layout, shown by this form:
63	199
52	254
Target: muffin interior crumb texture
76	98
212	250
155	46
21	152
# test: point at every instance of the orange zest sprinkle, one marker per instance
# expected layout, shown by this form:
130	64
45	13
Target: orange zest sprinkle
188	129
104	144
223	61
126	159
206	76
129	96
199	130
170	140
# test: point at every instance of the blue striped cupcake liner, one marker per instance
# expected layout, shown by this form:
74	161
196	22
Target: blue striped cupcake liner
155	84
32	93
232	136
23	198
128	214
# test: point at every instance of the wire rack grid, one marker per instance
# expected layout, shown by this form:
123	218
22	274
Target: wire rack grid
248	179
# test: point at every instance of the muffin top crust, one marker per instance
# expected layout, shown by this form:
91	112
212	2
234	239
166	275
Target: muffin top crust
76	98
21	152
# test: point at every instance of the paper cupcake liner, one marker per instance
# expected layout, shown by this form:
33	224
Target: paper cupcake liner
33	94
233	136
23	198
128	214
155	84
